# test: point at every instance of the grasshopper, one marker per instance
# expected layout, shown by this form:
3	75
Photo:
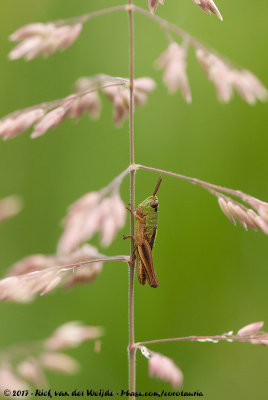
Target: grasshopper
146	215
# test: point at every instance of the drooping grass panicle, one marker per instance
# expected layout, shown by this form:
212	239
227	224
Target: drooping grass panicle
94	212
101	211
24	366
245	216
235	211
40	274
43	39
162	367
173	60
226	78
46	116
221	72
46	38
71	334
256	218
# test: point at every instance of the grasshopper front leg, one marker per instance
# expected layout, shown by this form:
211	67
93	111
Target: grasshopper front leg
136	216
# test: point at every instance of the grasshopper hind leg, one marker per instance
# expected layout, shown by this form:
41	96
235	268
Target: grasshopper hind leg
140	269
145	255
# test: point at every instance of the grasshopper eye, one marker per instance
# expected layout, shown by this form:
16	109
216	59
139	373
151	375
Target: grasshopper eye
154	203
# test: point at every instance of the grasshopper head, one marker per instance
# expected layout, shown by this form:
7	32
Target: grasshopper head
149	205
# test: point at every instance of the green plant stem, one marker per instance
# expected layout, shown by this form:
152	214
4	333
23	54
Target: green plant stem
131	347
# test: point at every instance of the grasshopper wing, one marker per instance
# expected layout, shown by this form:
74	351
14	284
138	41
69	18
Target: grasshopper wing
145	254
153	238
141	271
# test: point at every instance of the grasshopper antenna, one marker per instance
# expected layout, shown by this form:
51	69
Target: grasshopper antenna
157	185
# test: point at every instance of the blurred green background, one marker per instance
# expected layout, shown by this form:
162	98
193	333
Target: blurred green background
213	277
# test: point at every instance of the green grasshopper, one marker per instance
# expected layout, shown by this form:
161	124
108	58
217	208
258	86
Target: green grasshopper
146	215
